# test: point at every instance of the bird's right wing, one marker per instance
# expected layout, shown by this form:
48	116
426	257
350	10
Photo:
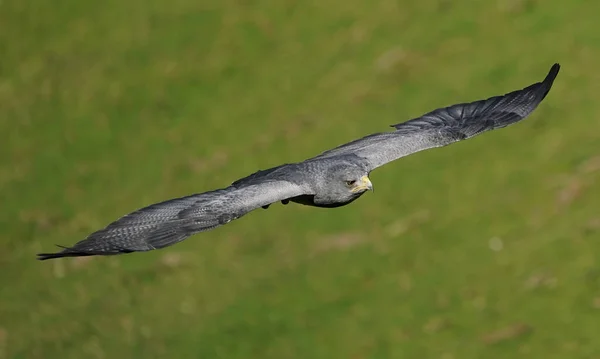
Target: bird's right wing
166	223
447	125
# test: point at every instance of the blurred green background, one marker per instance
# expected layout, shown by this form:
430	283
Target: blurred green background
484	249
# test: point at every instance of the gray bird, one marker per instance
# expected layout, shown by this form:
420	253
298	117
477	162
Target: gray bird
332	179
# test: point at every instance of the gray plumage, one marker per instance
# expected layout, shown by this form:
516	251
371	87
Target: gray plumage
332	179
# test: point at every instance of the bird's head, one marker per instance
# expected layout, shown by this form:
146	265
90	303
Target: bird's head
344	183
358	184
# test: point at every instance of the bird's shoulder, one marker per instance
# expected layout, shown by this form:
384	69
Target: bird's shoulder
290	172
329	159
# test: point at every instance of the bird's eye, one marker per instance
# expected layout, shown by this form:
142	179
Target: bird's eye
350	183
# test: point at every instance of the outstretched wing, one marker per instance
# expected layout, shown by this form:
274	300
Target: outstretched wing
166	223
448	125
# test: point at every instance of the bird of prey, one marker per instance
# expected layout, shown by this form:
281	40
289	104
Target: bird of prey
334	178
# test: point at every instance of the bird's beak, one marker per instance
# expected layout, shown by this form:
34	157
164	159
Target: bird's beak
364	185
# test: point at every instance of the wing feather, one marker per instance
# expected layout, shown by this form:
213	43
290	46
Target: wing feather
447	125
166	223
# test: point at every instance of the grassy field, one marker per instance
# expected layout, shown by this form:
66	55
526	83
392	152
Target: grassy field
484	249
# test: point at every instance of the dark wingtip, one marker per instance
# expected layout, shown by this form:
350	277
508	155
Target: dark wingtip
546	85
74	252
552	74
66	252
45	256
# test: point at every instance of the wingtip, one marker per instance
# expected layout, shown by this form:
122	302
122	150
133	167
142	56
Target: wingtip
75	252
66	252
545	86
63	254
552	73
45	256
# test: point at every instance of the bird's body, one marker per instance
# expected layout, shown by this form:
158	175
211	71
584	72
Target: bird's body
332	179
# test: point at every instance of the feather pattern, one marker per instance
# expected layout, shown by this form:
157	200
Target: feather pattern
447	125
166	223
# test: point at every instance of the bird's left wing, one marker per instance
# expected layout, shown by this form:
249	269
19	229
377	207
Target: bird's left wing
166	223
447	125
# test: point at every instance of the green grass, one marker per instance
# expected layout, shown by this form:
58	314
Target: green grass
106	107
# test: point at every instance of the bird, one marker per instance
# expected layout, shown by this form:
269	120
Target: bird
334	178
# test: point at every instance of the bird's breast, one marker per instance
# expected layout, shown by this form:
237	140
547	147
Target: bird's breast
309	200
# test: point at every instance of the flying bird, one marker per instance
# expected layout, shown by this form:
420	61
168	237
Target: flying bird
332	179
